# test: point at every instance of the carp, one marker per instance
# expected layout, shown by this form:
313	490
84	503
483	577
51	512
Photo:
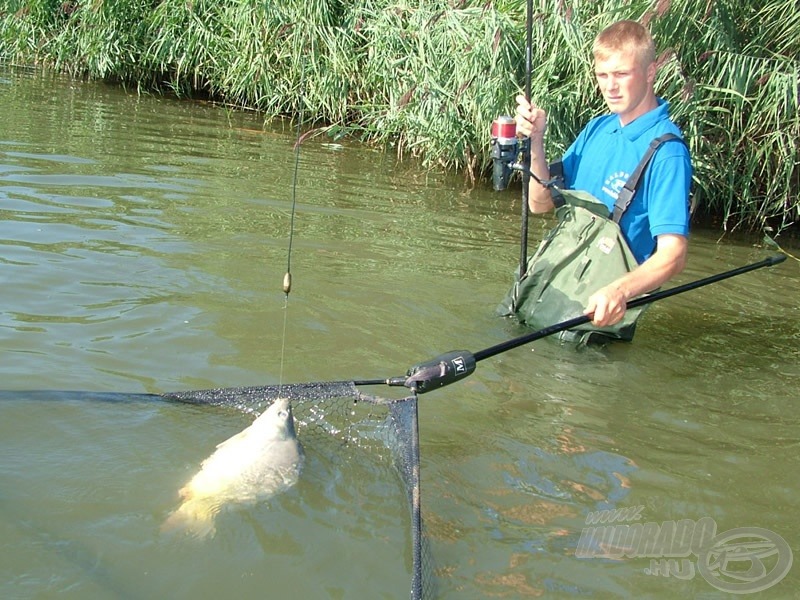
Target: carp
264	459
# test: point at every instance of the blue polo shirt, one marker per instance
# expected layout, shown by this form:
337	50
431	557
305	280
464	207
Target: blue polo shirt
605	154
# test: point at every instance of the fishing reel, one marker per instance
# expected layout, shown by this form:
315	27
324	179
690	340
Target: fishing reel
506	148
511	153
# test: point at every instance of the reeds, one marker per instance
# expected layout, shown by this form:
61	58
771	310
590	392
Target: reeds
427	77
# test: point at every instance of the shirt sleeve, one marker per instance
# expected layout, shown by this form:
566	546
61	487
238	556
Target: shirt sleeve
669	185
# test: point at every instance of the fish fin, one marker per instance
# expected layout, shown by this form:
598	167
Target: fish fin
193	517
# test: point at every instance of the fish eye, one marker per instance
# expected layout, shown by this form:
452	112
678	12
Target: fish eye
283	414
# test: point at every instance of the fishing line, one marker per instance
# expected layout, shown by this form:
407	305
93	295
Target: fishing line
287	277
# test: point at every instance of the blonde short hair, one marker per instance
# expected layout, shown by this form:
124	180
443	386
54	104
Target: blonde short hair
625	36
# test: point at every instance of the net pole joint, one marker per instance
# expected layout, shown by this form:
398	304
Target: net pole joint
440	371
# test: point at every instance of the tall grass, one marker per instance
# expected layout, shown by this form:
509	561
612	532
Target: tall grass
428	76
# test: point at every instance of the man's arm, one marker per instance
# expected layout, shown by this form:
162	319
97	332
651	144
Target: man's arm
609	303
532	123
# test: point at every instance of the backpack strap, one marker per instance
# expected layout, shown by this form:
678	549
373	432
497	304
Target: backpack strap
626	194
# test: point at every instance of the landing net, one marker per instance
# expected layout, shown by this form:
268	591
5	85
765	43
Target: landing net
340	411
333	416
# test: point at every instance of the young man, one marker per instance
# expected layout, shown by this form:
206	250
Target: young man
606	152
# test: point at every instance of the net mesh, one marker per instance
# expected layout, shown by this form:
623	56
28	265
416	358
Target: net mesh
340	411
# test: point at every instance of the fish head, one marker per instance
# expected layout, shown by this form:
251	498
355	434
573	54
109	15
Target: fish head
277	422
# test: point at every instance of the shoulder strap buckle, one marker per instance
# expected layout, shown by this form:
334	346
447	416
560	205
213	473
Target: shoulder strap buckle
557	183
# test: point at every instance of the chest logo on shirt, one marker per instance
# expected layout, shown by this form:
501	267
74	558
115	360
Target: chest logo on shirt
614	183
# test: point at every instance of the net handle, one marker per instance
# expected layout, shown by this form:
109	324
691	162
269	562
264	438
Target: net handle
454	366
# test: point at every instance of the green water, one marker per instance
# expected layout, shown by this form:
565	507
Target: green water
143	243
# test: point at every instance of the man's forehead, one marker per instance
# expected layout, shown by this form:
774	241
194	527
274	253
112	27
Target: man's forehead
616	61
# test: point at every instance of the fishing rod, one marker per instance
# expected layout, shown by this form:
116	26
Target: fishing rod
526	155
453	366
509	153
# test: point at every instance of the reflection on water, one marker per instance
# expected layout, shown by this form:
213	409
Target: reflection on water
143	243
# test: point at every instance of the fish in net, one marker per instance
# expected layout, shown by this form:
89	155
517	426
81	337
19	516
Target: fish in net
339	410
328	416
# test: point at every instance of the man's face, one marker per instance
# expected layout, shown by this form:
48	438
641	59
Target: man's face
626	84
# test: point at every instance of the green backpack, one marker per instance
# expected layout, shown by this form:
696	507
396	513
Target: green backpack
584	252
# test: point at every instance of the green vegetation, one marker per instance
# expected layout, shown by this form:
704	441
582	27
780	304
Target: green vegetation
429	76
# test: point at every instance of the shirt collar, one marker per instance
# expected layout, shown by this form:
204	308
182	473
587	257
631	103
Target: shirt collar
637	127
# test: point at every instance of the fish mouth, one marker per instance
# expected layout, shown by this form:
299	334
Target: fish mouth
282	408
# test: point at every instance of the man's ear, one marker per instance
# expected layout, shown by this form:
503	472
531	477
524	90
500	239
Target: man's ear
651	72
